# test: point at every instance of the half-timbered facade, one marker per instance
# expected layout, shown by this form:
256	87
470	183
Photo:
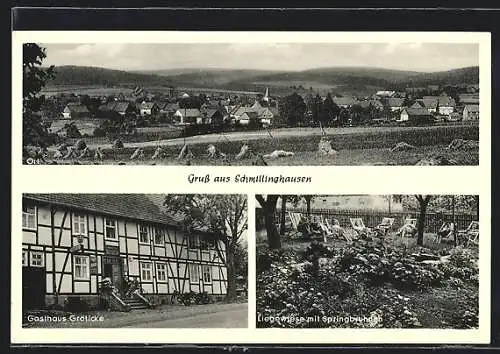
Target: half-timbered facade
71	242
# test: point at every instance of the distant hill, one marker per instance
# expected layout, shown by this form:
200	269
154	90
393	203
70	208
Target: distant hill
87	75
352	78
209	77
469	75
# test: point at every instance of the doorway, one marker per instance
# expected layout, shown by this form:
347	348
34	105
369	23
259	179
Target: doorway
113	269
34	288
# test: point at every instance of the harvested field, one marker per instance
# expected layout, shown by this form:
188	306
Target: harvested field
355	146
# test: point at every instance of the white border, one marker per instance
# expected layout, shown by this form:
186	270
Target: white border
326	180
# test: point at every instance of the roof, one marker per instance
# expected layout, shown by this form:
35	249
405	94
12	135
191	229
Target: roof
188	112
395	102
147	105
417	104
209	112
116	106
344	101
240	110
367	103
77	108
168	106
251	114
429	102
472	108
132	206
442	100
417	112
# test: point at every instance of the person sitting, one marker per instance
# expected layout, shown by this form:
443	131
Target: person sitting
445	231
407	229
315	226
304	227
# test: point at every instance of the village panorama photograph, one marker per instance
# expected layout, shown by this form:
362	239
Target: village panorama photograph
134	260
367	261
251	103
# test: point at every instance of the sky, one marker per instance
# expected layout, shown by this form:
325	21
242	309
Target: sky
265	56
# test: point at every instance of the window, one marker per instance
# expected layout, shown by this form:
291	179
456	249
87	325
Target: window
110	229
81	267
206	244
29	217
79	224
193	241
161	271
36	259
194	273
25	258
159	236
207	274
146	271
143	234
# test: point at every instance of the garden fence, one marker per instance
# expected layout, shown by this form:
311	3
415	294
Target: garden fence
372	218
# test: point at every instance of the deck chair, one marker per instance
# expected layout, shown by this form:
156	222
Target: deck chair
409	228
385	225
445	231
326	230
359	226
336	229
471	233
295	219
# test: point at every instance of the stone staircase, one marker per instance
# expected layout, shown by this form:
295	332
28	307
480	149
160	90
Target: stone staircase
135	304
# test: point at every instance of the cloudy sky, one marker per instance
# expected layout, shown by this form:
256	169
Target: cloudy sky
265	56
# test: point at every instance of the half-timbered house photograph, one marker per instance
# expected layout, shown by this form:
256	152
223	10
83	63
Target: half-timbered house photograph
367	261
136	260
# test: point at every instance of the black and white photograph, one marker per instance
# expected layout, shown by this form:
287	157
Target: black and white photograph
134	260
257	103
367	261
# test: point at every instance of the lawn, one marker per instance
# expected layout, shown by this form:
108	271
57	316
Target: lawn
382	284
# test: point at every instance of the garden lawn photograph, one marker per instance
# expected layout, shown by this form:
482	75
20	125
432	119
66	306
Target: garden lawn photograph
367	261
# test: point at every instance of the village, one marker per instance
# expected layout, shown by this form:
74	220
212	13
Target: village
152	113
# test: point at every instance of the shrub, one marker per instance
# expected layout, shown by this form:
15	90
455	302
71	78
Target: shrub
75	304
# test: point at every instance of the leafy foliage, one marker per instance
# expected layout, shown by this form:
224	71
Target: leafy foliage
365	280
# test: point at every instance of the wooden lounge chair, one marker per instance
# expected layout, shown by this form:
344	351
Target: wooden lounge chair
359	226
385	225
295	219
326	230
445	231
471	233
409	228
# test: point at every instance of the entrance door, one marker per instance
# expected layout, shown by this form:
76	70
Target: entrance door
112	267
34	287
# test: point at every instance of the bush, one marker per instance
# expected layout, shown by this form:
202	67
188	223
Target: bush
75	304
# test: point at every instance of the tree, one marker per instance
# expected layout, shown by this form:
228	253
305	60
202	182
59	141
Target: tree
224	215
269	209
308	199
330	110
34	79
293	108
423	201
284	199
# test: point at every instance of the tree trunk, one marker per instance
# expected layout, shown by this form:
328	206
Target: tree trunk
476	197
231	277
283	214
308	206
423	201
273	237
421	224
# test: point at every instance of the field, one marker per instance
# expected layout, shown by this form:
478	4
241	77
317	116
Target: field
354	146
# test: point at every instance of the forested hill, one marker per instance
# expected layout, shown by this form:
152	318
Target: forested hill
87	75
81	75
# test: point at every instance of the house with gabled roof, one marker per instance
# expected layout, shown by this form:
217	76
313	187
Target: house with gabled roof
186	116
75	111
470	112
71	243
417	115
148	108
395	103
445	104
